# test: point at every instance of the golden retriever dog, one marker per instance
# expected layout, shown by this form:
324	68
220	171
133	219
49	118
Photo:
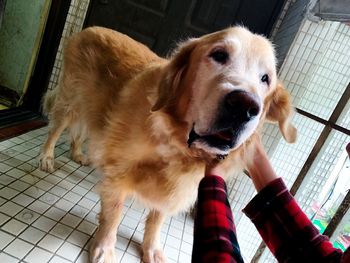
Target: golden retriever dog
153	124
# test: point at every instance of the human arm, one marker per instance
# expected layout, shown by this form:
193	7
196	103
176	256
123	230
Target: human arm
284	227
259	167
214	231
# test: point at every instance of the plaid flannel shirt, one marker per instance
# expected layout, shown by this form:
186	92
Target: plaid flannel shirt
284	227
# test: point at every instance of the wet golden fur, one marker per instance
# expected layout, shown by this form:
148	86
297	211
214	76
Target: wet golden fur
132	107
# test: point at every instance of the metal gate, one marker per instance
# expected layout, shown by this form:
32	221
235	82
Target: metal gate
159	23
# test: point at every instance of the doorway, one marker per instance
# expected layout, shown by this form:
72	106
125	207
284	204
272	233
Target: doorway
161	23
29	38
21	32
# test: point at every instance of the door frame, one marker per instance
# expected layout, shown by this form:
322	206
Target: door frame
30	110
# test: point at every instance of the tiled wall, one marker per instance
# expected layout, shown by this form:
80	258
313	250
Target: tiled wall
286	29
317	68
316	71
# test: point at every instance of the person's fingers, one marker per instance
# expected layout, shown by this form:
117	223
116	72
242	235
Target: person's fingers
214	169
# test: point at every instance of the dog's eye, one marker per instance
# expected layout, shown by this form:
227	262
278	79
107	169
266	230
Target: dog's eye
220	56
265	78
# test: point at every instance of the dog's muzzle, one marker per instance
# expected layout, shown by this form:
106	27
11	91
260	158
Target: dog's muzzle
237	109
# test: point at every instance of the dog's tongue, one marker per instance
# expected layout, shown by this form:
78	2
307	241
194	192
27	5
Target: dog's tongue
224	135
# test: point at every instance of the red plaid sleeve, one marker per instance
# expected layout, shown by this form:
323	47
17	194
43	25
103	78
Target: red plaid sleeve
286	230
214	231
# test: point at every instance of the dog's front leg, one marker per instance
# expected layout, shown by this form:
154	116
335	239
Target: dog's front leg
46	158
102	249
152	252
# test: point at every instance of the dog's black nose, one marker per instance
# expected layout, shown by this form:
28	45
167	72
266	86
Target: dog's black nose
242	104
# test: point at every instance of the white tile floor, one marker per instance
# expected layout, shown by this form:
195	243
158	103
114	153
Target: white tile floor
52	217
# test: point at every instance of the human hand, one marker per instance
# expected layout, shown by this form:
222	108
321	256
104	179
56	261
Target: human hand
259	167
214	169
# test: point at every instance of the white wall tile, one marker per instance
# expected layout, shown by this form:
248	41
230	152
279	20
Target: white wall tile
61	231
10	208
32	235
50	243
18	248
5	239
44	223
69	251
7	258
14	227
27	216
38	255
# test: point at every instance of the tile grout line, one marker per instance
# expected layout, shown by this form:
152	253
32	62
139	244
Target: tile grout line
52	205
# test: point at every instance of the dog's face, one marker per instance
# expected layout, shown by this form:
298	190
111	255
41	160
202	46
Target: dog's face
223	85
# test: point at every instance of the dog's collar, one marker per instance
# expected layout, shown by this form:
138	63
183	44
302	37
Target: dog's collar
221	156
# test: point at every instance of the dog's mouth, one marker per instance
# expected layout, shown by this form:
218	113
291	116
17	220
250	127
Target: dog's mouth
224	139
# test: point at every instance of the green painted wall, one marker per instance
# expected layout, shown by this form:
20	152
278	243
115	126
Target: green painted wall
20	36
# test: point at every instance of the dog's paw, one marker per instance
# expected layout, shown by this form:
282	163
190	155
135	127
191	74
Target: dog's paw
46	163
81	159
102	254
153	256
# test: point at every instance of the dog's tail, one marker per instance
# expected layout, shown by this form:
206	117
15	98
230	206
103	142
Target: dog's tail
48	101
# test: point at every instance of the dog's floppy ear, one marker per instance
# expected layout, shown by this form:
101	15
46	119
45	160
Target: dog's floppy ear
279	109
173	74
